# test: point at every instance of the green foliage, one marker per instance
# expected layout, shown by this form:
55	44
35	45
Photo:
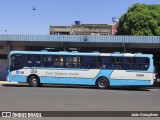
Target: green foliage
140	19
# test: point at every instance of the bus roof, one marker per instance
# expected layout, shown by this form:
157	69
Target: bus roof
76	53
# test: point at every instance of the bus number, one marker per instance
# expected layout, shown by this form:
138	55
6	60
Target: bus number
140	75
33	71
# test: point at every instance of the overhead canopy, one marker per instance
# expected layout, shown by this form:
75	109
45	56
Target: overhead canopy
86	40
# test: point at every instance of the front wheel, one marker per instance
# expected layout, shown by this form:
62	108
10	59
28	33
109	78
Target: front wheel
102	83
34	81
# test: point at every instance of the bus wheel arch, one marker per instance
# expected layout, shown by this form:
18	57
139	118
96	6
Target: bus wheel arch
33	80
102	83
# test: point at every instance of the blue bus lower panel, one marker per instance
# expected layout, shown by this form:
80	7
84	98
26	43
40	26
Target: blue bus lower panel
68	81
130	82
19	79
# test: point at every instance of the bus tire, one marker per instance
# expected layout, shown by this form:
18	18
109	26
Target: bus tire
102	83
34	81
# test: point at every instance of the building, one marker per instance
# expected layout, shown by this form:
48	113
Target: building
83	29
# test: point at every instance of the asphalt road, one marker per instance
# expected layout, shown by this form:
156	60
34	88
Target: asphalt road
62	98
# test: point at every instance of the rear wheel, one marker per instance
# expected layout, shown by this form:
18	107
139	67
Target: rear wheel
34	81
102	83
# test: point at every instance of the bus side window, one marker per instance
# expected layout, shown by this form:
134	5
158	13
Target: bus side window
88	62
55	63
69	62
112	63
38	62
61	62
140	63
135	65
107	62
118	63
47	61
126	63
146	64
32	61
29	61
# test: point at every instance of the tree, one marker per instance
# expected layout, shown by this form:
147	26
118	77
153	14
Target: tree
140	19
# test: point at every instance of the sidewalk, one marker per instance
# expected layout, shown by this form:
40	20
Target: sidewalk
8	83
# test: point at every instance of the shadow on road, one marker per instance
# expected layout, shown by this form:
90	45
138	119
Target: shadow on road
130	88
15	85
141	88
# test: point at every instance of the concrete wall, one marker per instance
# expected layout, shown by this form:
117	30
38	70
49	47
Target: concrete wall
3	73
83	29
5	48
91	29
59	29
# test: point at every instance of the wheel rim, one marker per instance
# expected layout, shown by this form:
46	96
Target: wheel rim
102	83
34	81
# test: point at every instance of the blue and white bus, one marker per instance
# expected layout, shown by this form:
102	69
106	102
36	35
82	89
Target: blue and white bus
76	68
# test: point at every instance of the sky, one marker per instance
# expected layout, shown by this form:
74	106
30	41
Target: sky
17	16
